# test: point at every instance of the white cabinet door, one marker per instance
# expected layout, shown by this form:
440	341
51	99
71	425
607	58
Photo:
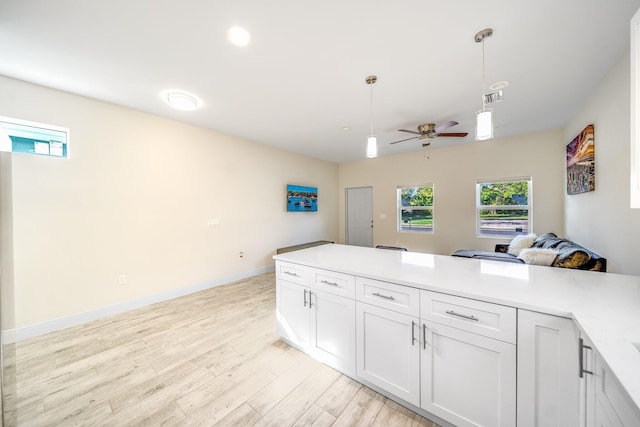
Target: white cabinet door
548	381
388	351
604	416
333	330
292	313
614	407
586	372
467	379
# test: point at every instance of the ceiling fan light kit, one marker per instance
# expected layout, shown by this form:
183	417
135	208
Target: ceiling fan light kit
372	141
428	131
484	117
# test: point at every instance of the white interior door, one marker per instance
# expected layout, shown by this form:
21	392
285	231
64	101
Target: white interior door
359	221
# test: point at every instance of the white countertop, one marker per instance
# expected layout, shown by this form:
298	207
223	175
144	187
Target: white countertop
605	306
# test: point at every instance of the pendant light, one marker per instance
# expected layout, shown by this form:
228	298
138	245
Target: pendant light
484	117
372	141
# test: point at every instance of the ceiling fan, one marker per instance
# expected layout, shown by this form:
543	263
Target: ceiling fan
428	131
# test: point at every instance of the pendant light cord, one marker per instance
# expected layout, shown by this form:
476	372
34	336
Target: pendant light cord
483	87
371	108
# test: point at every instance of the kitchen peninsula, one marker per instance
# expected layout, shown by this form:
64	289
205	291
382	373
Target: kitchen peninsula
472	342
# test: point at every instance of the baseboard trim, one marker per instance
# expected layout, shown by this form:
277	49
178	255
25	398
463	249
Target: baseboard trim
19	334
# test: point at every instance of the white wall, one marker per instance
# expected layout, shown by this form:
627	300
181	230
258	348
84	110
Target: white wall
133	198
454	171
602	220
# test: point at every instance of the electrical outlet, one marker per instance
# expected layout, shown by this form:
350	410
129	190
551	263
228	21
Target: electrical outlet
122	279
241	254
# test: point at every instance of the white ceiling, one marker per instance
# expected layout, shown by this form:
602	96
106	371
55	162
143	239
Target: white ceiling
302	77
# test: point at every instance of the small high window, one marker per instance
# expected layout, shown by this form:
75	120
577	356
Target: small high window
21	136
415	208
503	207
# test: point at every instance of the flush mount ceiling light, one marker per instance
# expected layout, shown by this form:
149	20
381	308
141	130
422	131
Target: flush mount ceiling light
372	141
238	36
182	101
484	117
499	85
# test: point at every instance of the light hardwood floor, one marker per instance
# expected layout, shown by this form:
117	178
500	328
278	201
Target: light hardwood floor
210	358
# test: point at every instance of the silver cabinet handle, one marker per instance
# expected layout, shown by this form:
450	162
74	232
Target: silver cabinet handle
424	336
310	301
464	316
391	298
290	273
328	283
305	297
413	337
582	348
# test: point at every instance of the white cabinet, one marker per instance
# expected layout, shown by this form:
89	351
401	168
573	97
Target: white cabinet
468	377
461	359
586	373
548	382
603	401
483	318
292	313
333	331
402	299
388	350
317	321
613	407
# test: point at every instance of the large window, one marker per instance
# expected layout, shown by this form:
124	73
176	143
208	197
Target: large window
504	207
415	208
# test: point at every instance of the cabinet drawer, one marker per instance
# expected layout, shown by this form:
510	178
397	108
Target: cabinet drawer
333	282
483	318
399	298
294	273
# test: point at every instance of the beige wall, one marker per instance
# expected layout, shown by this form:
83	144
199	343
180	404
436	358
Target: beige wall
602	220
134	198
454	171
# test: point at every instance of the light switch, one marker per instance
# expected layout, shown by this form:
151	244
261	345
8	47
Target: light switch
383	216
213	222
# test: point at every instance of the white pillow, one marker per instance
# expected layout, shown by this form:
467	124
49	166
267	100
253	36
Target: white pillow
538	256
521	242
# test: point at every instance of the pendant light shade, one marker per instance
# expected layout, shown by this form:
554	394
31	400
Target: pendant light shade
484	118
372	141
372	147
484	124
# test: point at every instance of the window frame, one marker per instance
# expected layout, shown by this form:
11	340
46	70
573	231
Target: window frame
528	207
400	208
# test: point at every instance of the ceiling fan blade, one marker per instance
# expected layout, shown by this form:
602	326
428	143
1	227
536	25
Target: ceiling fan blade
410	131
446	125
459	135
402	140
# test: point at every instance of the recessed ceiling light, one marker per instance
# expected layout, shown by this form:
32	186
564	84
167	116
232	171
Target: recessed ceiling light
238	36
345	128
499	85
182	101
